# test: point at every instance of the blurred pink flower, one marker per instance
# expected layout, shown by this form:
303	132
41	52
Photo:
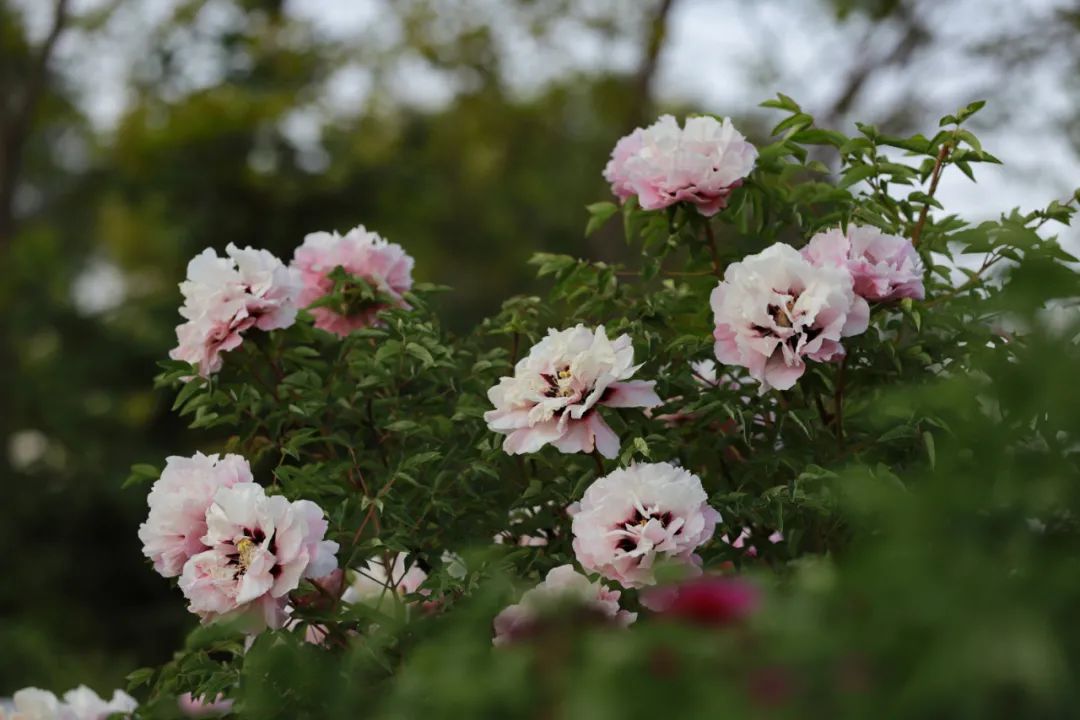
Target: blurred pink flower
366	255
629	518
555	391
562	585
705	600
226	296
774	310
178	501
192	707
883	267
663	164
260	547
374	582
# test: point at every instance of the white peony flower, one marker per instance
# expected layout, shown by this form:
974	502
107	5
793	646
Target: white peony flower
556	389
774	310
82	703
226	296
178	501
260	547
562	585
627	519
85	704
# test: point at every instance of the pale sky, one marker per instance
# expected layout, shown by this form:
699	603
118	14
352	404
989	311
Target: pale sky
719	54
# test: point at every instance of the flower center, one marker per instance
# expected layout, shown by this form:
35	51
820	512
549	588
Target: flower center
246	548
560	384
780	317
630	533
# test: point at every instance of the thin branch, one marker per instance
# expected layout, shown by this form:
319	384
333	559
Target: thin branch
650	60
939	163
839	401
915	35
16	132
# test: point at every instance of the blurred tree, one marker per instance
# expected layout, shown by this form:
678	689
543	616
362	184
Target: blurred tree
99	226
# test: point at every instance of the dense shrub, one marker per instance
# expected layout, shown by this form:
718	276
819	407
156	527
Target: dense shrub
816	454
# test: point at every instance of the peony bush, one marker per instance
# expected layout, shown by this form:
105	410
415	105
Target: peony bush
809	456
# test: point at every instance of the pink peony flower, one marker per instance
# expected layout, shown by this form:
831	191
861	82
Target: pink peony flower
706	600
774	310
883	267
664	164
372	583
178	502
628	518
554	393
364	254
226	296
82	703
562	585
195	708
260	547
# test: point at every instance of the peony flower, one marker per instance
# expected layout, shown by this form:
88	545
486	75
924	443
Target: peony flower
664	164
196	708
35	704
774	310
883	267
178	502
554	393
629	518
85	704
372	583
562	585
383	264
82	703
226	296
706	600
260	547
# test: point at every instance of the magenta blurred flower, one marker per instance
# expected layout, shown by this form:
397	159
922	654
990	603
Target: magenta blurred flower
705	600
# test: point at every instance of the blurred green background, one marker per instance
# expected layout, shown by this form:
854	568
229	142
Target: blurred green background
133	134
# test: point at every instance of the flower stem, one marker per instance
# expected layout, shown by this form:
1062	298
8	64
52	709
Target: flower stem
839	401
711	238
935	176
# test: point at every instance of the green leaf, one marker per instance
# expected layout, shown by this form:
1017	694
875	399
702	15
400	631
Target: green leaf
140	677
928	443
599	213
421	353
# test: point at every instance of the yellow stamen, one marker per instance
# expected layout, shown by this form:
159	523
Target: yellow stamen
246	548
